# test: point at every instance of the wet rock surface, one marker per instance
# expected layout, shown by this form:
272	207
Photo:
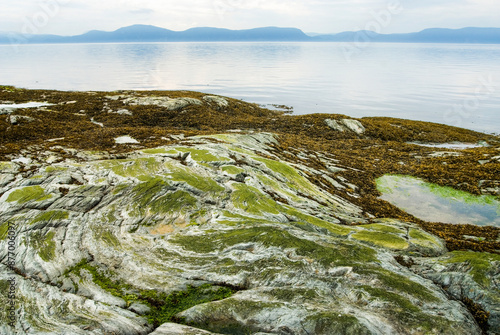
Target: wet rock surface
230	233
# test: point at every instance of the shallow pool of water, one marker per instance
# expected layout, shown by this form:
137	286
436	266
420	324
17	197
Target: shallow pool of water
435	203
456	146
24	105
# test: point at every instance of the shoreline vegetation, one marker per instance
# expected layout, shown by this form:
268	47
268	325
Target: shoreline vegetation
91	121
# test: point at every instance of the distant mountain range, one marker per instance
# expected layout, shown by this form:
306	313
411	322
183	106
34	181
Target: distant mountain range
433	35
146	33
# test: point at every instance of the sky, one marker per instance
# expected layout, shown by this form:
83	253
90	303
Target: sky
73	17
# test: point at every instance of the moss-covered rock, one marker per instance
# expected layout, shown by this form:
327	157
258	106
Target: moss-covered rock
29	193
383	239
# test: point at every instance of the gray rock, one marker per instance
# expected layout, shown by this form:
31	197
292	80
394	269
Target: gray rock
122	112
138	308
44	309
217	101
126	140
100	124
177	137
16	119
462	280
22	160
68	286
354	125
165	102
334	125
346	125
4	111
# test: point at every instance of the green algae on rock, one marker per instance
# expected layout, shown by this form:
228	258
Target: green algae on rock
29	193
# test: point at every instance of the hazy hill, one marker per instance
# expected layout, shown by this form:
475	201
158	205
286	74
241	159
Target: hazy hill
433	35
147	33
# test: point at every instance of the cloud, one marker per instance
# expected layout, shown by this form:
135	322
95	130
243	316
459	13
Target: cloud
328	16
141	11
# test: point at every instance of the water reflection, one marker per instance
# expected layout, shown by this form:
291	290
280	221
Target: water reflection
434	203
414	81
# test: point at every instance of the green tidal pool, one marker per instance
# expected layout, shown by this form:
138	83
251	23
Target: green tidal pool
431	202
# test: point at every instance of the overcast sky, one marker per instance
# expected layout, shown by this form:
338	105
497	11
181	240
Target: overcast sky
72	17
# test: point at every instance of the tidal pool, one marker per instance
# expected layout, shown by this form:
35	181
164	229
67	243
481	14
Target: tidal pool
456	146
431	202
24	105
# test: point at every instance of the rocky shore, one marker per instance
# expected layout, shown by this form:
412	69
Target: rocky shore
179	212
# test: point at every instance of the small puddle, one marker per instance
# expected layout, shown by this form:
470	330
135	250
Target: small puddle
24	105
456	146
434	203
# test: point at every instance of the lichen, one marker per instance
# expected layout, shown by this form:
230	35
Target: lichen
204	184
155	196
224	137
199	217
28	193
4	230
339	254
4	289
50	169
278	187
481	263
401	309
384	228
232	139
326	323
253	201
202	155
422	238
119	188
231	169
6	166
160	151
140	168
394	282
333	228
106	236
50	216
44	244
382	239
295	180
233	219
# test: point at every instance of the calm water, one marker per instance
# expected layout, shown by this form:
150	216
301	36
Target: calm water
439	204
454	84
